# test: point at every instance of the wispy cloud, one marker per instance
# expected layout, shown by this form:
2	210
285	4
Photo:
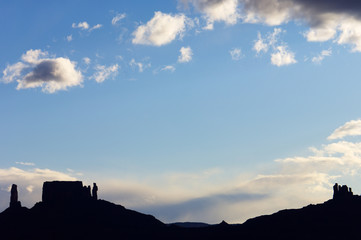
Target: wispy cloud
86	60
26	163
186	54
118	17
260	45
168	68
103	72
69	38
351	128
236	54
97	26
319	58
140	65
85	26
270	41
280	54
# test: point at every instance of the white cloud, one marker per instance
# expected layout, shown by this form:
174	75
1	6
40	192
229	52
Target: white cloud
13	72
86	60
320	34
342	158
351	128
141	66
264	44
185	55
69	38
103	72
260	45
81	25
236	54
350	33
217	11
85	26
282	57
319	58
160	30
49	74
34	56
95	27
118	17
26	163
168	68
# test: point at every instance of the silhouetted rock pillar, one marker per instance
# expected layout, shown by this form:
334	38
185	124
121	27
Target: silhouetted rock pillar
95	191
14	197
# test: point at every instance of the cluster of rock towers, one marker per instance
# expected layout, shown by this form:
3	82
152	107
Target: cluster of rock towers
60	192
341	192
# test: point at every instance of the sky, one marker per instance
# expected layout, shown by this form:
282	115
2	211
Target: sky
189	110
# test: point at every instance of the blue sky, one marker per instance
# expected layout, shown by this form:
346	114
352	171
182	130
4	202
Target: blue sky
190	110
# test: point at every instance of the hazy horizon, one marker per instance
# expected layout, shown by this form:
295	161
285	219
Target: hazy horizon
189	110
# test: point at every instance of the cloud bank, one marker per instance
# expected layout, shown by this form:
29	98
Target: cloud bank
328	19
215	194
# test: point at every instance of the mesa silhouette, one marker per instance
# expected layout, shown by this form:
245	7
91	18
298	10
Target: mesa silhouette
69	210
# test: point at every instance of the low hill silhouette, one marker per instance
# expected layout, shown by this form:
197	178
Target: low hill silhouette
69	210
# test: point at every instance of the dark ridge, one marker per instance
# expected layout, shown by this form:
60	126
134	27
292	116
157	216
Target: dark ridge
70	210
190	224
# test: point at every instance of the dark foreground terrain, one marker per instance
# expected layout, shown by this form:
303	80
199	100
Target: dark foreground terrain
69	211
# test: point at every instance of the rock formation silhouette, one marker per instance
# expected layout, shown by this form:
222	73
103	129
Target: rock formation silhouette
66	192
14	203
341	192
68	211
95	191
